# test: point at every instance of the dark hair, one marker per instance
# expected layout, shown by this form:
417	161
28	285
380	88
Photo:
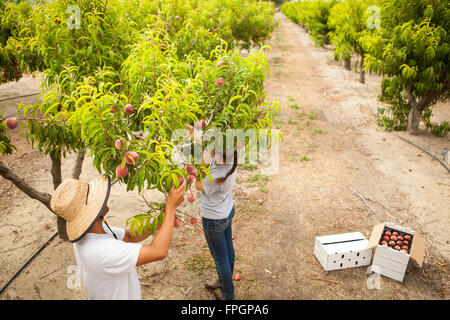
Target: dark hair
233	168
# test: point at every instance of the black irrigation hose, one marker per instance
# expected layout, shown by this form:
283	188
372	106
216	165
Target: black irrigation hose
27	95
26	263
438	160
32	257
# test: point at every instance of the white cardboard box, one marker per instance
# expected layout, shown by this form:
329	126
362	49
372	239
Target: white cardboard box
341	251
390	262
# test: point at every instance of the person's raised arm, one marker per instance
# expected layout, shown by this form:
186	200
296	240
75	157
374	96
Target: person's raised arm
159	248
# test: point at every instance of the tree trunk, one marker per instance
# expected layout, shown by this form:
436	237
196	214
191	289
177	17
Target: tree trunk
383	92
414	114
42	197
414	120
62	231
55	155
78	164
362	73
348	64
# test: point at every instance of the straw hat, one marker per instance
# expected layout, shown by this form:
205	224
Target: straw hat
80	204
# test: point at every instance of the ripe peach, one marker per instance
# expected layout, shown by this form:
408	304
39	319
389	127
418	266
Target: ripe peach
406	242
386	238
190	197
407	237
191	178
388	233
121	172
131	157
384	243
399	242
395	233
238	276
397	248
221	63
128	109
176	222
405	251
180	180
193	220
220	81
189	168
405	247
11	123
394	238
400	238
392	243
118	144
194	172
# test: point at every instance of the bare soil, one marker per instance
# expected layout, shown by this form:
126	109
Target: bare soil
332	144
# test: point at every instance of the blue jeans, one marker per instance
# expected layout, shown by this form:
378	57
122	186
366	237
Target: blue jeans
218	235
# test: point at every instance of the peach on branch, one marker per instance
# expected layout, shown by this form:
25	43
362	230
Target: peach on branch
128	109
11	123
190	197
118	144
193	220
221	63
220	81
121	171
131	157
191	179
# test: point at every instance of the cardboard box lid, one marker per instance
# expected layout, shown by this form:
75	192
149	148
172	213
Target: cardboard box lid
376	235
417	247
339	238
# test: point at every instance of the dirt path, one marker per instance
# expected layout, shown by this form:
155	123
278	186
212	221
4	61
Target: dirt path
332	143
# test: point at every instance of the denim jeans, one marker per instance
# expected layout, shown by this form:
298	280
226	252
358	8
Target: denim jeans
218	235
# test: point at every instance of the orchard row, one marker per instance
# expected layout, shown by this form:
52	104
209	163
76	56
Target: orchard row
408	42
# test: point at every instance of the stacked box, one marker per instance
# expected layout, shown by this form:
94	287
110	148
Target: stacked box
341	251
392	262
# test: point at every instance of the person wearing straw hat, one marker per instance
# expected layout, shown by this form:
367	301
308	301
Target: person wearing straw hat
108	256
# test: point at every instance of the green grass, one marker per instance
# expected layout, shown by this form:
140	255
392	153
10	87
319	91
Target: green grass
291	99
277	60
305	158
259	180
200	262
294	106
249	167
319	130
312	116
278	74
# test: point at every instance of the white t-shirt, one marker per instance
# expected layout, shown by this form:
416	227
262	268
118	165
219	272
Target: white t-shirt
108	266
216	201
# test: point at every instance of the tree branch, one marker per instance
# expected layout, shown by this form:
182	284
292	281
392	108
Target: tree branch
42	197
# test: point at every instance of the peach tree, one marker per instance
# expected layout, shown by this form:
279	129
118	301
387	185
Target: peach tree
160	94
412	52
121	82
